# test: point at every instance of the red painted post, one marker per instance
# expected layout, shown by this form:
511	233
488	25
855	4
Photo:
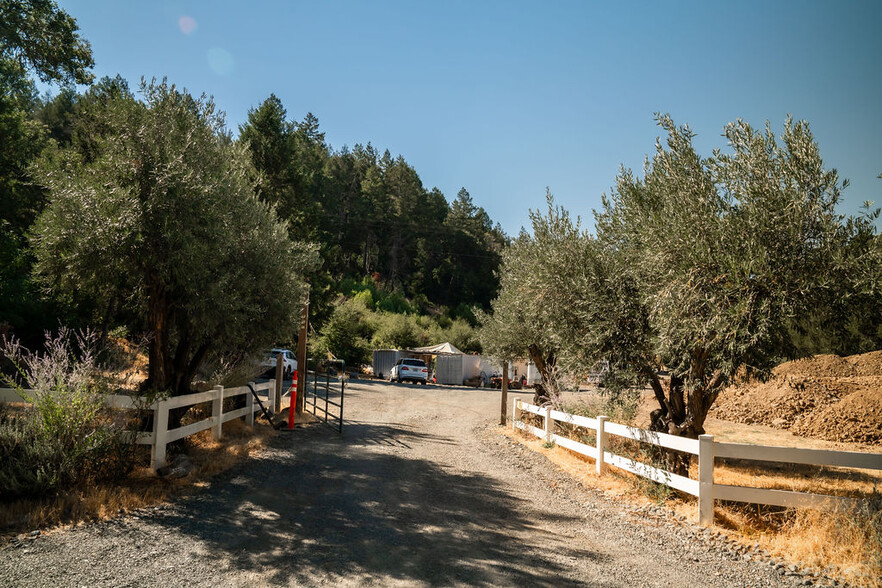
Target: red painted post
293	404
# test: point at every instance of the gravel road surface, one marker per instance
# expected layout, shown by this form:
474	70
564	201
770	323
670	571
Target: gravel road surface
420	490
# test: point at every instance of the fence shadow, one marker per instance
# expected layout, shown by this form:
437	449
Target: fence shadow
336	507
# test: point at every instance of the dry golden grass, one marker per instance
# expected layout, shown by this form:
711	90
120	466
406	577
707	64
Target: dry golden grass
841	545
845	545
82	504
140	489
239	441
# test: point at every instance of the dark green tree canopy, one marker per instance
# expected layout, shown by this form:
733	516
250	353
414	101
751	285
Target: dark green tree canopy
35	37
372	215
40	37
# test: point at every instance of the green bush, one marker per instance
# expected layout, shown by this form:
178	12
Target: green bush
32	463
346	335
396	331
68	437
394	302
463	336
355	328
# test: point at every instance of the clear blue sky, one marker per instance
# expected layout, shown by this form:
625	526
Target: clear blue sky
506	98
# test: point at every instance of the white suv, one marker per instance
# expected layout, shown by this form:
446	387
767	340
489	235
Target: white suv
414	370
289	363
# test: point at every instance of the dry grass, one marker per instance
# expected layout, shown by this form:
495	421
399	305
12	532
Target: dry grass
239	441
140	489
842	545
845	545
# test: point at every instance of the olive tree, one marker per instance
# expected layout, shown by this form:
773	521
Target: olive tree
702	266
523	321
725	252
167	219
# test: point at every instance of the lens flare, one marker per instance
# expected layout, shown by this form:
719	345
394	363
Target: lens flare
187	24
221	61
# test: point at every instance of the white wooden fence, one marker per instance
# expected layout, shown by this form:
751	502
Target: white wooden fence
707	451
161	435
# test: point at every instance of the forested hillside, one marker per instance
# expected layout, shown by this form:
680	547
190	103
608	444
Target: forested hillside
372	216
374	223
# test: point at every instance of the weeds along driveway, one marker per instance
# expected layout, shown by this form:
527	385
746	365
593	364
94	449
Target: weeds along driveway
419	490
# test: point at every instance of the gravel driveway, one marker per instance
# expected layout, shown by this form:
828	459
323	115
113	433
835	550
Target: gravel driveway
418	491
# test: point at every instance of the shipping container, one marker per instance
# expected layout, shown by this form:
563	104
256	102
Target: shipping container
384	359
533	375
448	369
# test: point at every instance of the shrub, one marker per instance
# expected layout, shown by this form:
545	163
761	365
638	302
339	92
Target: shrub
32	463
68	437
396	331
394	302
620	408
463	336
346	335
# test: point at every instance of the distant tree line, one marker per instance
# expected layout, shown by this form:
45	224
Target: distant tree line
141	211
372	216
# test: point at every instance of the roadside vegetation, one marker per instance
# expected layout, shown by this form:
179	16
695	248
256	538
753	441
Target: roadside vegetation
64	436
371	319
68	458
846	546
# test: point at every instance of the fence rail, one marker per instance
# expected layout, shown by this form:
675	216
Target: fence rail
707	450
161	435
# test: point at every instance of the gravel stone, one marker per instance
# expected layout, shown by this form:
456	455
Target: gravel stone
420	490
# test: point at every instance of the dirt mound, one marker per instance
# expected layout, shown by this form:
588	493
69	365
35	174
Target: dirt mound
825	396
857	418
833	366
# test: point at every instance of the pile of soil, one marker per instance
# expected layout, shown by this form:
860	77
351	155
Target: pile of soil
825	397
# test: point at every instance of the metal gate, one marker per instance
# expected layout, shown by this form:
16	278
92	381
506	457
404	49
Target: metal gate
325	390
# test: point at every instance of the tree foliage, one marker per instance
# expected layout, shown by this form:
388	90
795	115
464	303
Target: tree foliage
358	325
37	36
702	266
372	215
166	220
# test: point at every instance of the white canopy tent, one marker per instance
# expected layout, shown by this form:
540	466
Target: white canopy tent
440	349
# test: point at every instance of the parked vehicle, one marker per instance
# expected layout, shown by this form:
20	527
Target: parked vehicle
289	363
414	370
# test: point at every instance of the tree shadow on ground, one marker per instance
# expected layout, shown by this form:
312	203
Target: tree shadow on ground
321	508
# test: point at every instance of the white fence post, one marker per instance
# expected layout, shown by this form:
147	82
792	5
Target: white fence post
217	411
249	403
515	413
548	424
706	480
160	434
601	444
